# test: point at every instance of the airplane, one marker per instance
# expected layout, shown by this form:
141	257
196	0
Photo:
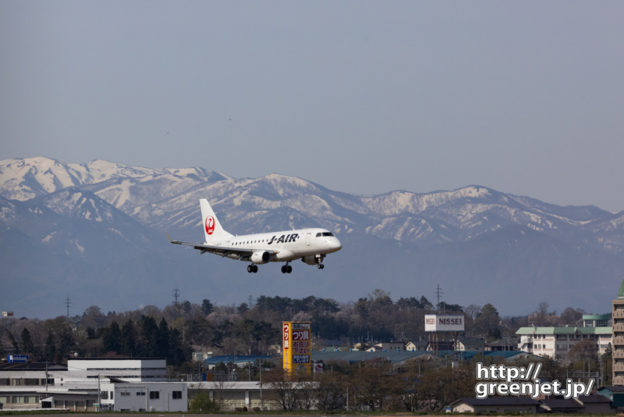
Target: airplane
309	245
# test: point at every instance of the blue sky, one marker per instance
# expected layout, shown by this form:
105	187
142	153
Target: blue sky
365	97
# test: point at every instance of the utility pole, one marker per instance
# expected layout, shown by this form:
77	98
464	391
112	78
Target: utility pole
67	304
99	395
439	297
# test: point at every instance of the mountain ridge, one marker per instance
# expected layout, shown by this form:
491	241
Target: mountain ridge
136	205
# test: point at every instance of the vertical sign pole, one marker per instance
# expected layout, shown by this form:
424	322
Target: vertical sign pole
287	347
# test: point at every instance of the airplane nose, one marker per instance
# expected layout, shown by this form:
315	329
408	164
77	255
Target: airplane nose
338	244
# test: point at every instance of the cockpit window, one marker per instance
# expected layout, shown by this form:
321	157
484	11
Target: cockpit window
319	234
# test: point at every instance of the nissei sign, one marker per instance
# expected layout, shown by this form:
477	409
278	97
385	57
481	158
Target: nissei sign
17	358
444	323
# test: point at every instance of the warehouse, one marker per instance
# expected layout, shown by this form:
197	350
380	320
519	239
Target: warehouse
119	384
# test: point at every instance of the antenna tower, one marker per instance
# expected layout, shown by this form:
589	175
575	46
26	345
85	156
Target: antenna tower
439	293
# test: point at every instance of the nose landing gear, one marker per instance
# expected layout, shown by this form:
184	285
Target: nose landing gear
319	261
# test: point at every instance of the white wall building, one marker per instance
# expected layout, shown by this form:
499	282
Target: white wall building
78	385
130	370
151	396
556	342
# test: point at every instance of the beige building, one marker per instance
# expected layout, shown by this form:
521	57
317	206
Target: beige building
618	337
556	342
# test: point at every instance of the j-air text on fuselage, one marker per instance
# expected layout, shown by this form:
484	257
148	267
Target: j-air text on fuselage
309	245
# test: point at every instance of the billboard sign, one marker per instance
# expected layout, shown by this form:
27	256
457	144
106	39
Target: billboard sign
296	347
17	358
444	323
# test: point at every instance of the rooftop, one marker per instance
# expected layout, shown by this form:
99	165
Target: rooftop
118	359
606	330
32	366
593	398
394	356
504	354
235	359
495	401
399	356
561	403
606	316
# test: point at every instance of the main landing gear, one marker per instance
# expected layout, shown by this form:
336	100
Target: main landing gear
252	268
286	269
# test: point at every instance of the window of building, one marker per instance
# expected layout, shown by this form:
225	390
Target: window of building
140	393
104	395
154	395
177	395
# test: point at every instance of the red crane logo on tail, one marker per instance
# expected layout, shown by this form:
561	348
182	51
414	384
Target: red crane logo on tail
210	225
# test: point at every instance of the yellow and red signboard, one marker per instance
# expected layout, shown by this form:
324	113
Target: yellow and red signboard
296	347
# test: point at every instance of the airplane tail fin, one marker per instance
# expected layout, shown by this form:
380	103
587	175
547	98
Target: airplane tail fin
212	228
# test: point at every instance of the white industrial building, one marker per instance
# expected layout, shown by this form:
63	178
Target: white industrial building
120	384
149	396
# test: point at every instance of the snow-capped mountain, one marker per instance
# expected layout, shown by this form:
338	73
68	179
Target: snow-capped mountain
104	213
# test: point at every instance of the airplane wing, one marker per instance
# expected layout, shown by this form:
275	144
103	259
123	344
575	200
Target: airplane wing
238	253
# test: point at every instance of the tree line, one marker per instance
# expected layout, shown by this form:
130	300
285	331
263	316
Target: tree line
176	330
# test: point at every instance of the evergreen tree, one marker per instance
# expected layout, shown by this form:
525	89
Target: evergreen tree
128	339
112	337
27	343
49	352
66	344
487	322
178	352
91	333
149	333
207	307
162	339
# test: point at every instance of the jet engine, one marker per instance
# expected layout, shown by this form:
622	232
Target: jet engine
260	257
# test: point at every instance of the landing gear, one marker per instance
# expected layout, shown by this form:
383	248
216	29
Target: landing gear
319	261
286	269
252	268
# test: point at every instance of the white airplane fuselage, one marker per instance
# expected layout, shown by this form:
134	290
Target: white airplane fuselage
287	245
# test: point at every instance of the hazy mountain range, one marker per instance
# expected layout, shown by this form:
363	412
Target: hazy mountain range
96	232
